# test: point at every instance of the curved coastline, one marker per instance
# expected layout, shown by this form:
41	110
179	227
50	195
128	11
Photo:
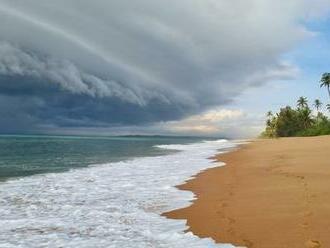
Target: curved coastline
271	193
115	204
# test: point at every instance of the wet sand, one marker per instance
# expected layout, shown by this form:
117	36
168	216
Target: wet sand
271	194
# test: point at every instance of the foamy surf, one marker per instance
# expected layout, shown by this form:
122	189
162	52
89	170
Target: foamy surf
109	205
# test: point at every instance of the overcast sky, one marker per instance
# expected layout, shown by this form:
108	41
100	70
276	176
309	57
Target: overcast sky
192	67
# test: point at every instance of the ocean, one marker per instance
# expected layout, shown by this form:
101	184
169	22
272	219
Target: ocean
99	191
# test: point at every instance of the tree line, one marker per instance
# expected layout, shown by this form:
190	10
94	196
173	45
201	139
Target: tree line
300	121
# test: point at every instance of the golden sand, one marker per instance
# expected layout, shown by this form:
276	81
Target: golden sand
271	194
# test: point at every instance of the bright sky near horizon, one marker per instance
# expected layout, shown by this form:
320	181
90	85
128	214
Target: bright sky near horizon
188	67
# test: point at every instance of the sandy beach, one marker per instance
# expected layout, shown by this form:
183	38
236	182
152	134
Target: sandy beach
271	194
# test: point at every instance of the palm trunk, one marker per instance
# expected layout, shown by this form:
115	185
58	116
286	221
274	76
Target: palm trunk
329	91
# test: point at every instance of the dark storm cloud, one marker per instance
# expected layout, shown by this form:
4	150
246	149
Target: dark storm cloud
38	103
101	63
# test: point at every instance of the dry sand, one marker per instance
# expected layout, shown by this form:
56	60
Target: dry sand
271	194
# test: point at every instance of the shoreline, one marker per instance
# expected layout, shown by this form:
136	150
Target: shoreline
270	194
147	183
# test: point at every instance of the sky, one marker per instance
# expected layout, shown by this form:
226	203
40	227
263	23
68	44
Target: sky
188	67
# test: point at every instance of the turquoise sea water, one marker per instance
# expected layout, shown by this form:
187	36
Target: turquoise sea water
29	155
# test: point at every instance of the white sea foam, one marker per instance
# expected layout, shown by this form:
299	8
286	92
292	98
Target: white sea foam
110	205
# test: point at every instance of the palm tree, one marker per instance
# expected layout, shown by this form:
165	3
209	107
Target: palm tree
269	114
317	104
306	118
325	81
271	124
302	102
328	107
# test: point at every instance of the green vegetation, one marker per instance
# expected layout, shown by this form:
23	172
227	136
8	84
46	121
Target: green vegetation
300	121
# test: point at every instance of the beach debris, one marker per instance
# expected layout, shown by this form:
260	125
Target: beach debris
313	244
